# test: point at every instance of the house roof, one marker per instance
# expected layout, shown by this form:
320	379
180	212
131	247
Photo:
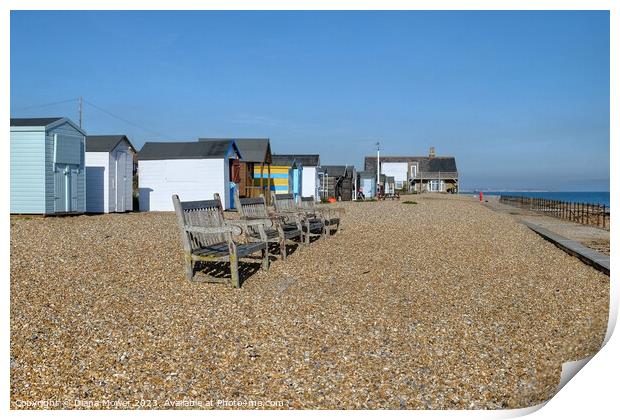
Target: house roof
187	150
105	143
425	163
303	160
33	122
252	150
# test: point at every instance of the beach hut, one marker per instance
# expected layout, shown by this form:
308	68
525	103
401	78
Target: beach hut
388	184
109	174
309	172
47	166
192	170
255	152
336	181
285	174
367	183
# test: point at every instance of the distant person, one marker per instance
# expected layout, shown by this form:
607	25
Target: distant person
360	194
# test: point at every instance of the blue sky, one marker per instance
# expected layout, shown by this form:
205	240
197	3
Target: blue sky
521	99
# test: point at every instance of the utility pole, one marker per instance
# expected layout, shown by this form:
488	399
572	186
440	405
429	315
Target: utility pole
80	112
378	171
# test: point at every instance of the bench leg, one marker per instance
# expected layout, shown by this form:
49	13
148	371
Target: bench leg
265	265
234	270
189	268
283	248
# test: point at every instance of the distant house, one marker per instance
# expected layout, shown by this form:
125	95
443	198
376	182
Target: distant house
418	173
337	181
47	166
193	170
109	174
285	174
254	153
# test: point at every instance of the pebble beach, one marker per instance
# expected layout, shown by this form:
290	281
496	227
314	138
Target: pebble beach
441	304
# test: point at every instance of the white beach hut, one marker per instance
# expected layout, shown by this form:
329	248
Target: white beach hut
109	174
192	170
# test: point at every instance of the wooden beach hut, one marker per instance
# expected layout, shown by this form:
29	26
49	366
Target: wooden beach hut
47	166
336	181
309	172
192	170
109	174
285	174
255	152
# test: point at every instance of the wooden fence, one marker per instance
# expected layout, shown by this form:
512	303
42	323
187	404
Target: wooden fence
586	214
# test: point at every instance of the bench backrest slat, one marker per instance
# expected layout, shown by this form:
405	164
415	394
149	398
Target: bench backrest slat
205	213
307	203
284	202
252	208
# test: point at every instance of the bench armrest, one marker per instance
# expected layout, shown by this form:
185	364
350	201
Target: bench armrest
250	222
235	230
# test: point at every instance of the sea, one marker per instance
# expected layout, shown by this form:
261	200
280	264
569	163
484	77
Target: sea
589	197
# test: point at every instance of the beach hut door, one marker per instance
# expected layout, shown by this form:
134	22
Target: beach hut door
120	180
65	188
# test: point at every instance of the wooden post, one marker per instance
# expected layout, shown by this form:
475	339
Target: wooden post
262	170
269	181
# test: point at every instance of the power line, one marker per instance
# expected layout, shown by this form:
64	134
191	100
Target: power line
45	105
123	119
80	100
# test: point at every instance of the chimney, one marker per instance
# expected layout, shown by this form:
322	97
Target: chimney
431	152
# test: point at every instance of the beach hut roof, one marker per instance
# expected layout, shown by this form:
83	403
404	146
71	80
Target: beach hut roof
187	150
303	160
47	122
33	122
105	143
252	149
337	170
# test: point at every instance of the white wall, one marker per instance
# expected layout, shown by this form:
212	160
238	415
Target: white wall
97	169
191	179
309	182
396	169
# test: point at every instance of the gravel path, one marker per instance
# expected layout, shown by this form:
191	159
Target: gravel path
441	304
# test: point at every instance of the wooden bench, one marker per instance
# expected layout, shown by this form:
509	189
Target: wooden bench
281	232
328	216
206	236
312	226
